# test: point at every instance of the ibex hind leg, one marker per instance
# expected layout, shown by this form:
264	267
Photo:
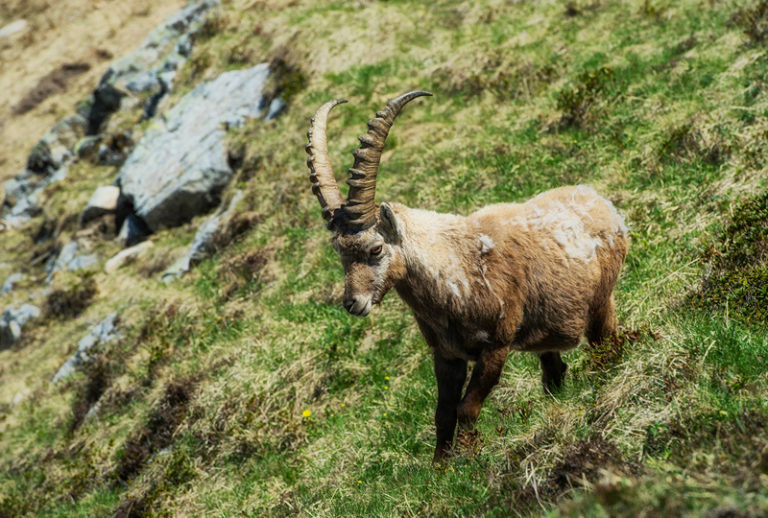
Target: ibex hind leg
602	322
552	371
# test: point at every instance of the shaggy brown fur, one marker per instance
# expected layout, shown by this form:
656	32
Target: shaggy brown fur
534	277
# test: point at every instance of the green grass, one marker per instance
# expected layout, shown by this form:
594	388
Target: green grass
297	408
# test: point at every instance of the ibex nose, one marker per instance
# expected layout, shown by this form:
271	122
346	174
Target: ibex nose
348	303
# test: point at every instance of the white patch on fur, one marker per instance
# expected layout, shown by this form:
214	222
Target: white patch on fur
570	221
438	262
482	336
486	244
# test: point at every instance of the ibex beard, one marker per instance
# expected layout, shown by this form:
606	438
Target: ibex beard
533	276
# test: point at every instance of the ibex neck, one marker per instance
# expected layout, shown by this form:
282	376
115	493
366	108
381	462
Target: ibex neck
440	258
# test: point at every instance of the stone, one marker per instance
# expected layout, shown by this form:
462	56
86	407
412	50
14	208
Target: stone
127	256
87	147
276	107
100	334
69	260
10	282
103	201
180	166
12	28
55	147
202	244
133	231
46	164
105	101
12	321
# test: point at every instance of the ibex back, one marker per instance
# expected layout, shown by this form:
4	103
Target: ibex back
535	276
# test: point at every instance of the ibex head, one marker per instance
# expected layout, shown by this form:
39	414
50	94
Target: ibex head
366	237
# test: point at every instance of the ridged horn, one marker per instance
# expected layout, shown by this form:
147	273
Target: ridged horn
324	184
360	207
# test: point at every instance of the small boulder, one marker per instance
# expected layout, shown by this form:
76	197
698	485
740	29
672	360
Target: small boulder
12	28
202	244
11	282
12	321
69	260
127	256
133	231
103	201
103	332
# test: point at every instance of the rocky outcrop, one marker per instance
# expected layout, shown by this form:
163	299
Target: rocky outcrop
202	244
182	164
46	164
150	68
100	334
12	321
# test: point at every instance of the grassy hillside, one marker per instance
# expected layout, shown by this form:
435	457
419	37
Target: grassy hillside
245	388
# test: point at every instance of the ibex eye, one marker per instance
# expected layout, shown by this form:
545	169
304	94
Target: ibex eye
376	251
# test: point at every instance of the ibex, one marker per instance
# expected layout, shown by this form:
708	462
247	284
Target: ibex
534	276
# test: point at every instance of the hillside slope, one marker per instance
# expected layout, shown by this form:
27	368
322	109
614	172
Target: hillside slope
244	387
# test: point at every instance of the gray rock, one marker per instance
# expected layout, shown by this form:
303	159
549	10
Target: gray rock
69	260
12	321
162	53
24	195
201	246
139	70
13	28
126	256
276	107
102	333
103	201
55	148
87	147
180	166
46	164
10	282
133	231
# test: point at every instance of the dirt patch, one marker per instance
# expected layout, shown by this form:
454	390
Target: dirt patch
738	265
754	21
53	83
157	432
97	373
580	465
69	302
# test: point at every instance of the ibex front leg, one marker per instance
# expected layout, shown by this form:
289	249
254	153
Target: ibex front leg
485	376
450	374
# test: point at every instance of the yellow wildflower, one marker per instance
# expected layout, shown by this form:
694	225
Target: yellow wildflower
307	413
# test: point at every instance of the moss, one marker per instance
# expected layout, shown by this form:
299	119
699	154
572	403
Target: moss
738	264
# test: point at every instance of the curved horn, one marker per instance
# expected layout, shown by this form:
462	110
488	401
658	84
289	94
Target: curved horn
360	207
324	184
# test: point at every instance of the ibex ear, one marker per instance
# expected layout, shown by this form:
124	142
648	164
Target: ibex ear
389	224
